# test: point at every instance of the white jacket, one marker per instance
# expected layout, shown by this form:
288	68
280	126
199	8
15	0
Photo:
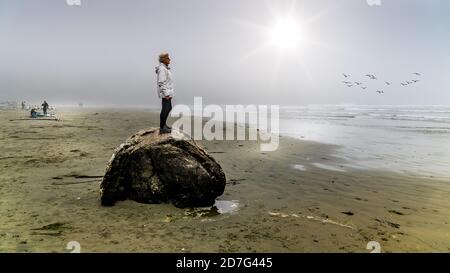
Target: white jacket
164	81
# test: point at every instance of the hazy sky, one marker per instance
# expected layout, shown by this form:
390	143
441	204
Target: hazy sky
105	51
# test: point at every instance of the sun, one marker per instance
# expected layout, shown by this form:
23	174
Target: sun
286	34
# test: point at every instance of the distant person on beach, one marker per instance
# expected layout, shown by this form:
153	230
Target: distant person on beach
165	91
45	107
23	105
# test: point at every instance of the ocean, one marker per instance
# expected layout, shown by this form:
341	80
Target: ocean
406	139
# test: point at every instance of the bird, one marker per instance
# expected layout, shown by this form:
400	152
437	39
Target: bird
380	92
358	83
418	74
388	83
407	82
416	80
349	85
372	77
363	88
345	75
404	84
347	82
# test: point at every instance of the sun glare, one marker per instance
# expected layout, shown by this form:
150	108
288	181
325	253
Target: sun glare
286	34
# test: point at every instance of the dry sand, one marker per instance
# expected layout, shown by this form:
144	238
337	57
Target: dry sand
287	201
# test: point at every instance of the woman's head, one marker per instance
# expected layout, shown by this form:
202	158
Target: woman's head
164	58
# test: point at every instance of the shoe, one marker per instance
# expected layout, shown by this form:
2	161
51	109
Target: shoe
167	127
165	131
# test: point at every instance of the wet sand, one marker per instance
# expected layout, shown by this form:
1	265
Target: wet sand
285	201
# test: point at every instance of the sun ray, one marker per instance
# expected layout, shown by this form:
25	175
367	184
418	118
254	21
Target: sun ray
276	68
317	16
252	53
319	44
248	24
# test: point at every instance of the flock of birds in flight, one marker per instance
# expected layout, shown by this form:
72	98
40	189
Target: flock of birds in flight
373	77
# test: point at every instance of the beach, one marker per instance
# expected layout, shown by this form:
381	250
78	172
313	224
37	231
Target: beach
302	197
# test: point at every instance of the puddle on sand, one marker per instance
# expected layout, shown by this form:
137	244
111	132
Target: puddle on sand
226	206
220	207
300	167
328	167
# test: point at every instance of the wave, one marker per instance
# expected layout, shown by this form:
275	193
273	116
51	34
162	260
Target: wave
438	114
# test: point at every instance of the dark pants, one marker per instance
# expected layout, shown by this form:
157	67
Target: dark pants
45	110
166	108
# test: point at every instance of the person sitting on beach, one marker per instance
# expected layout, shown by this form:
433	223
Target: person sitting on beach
45	107
33	113
165	91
